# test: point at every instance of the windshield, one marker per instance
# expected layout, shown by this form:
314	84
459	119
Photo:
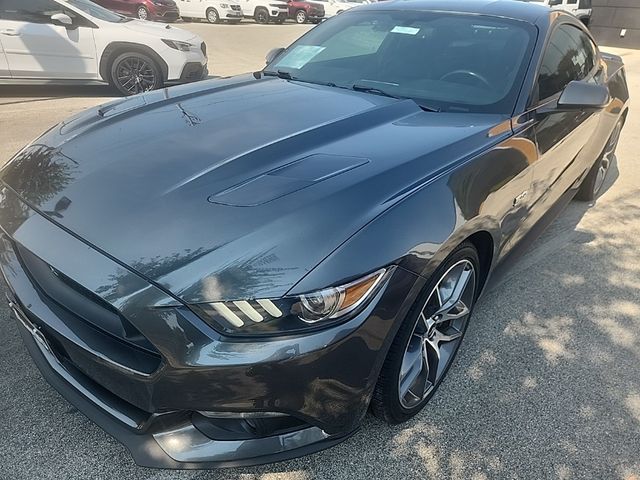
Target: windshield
96	11
454	62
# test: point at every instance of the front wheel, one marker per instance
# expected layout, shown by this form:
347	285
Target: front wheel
134	72
212	16
592	184
301	17
428	341
261	16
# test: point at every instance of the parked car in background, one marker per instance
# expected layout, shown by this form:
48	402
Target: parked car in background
165	10
580	8
214	11
334	7
265	11
79	41
302	11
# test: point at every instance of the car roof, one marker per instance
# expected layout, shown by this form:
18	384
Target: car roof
516	9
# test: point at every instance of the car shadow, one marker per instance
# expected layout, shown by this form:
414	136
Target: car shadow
18	93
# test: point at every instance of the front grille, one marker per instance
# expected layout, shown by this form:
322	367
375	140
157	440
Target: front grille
235	7
203	47
89	316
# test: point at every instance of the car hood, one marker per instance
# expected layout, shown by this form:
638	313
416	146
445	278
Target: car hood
236	188
160	30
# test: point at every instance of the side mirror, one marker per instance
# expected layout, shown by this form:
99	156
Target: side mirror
273	54
62	20
579	95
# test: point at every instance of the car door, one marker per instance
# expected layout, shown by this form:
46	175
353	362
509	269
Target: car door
191	8
563	136
36	48
4	65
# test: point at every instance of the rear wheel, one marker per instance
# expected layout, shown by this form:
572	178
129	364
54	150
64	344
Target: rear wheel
212	15
592	184
135	72
143	13
301	16
261	16
426	344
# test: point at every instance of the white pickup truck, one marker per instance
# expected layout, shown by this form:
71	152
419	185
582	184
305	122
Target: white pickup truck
580	8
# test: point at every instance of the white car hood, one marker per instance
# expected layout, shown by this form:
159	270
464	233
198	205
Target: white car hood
159	30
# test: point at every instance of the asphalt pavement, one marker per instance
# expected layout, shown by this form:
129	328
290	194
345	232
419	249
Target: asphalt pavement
546	385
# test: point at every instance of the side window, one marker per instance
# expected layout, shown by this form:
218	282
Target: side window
33	11
570	55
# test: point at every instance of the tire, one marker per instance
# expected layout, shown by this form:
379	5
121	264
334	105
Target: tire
134	72
422	333
212	15
261	16
142	13
592	184
301	17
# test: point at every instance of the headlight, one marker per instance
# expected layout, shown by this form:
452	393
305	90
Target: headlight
157	3
224	5
176	45
293	314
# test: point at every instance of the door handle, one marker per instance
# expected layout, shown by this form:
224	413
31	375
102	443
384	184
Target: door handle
10	32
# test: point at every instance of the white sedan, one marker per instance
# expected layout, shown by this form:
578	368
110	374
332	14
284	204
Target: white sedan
59	41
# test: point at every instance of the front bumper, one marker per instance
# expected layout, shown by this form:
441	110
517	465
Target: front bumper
166	14
152	407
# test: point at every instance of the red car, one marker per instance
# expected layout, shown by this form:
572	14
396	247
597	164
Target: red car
165	10
302	11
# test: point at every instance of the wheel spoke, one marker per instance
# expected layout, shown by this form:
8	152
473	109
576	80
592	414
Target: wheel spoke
414	373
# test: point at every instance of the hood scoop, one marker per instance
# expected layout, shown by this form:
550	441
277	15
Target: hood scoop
286	179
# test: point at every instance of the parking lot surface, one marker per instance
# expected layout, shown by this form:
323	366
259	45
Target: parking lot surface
546	385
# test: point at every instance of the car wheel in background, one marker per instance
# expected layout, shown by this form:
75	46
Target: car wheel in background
593	182
301	16
212	15
261	16
135	72
143	13
428	340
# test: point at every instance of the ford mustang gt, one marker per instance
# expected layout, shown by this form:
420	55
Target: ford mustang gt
234	272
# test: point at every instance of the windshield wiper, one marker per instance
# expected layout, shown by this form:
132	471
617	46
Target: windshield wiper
279	74
377	91
288	76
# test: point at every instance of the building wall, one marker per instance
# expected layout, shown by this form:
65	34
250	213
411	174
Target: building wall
609	17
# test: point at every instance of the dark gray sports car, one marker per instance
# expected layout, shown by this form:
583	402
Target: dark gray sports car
233	272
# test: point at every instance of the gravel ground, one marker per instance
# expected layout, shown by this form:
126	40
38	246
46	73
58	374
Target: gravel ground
546	385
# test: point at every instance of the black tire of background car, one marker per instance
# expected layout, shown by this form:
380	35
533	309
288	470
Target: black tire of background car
385	403
261	15
212	15
301	16
113	77
143	13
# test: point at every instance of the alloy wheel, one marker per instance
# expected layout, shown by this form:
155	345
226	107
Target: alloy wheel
212	16
135	75
142	13
301	16
262	16
437	333
607	158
